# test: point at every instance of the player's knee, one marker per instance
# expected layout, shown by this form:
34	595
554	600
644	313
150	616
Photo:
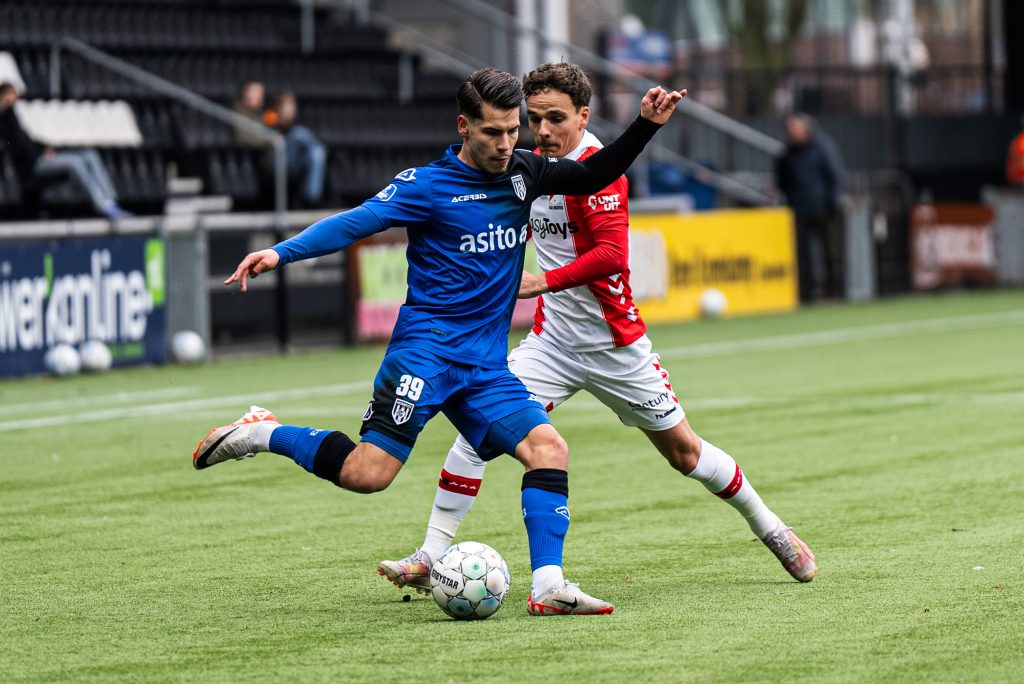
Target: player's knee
547	451
558	454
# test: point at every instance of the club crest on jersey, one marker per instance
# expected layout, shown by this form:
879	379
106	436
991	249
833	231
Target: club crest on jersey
407	175
519	185
402	411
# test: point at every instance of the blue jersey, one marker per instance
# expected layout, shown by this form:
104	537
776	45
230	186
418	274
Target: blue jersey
467	232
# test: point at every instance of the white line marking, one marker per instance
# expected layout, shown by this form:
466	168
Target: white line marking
237	400
810	339
842	335
96	399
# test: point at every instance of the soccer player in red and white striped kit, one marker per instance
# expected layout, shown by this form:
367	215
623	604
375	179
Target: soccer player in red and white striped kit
588	335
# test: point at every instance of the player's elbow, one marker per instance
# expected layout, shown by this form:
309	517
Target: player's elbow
619	262
614	259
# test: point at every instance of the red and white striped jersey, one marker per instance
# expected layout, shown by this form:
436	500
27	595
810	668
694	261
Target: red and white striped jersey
583	248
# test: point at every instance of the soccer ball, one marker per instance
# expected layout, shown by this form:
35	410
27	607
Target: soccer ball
95	356
469	581
62	360
188	347
712	303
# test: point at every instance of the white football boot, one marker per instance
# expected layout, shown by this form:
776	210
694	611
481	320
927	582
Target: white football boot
232	441
567	599
412	571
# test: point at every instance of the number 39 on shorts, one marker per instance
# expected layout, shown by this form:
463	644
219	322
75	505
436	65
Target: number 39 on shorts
409	386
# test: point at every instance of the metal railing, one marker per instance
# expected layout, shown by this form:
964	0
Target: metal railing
459	62
638	84
190	99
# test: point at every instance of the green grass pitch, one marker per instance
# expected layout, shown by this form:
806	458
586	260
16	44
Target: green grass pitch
890	435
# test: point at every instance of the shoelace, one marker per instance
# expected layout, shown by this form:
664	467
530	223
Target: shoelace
239	448
782	545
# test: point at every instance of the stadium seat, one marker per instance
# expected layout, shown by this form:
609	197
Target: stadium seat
9	71
73	123
211	47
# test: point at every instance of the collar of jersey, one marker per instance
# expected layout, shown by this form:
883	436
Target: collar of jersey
452	155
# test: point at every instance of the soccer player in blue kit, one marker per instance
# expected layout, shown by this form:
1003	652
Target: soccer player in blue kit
467	216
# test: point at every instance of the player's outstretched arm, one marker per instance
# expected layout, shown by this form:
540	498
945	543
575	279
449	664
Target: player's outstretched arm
600	169
252	265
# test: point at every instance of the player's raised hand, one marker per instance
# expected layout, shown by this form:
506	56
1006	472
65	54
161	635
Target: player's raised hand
658	104
252	265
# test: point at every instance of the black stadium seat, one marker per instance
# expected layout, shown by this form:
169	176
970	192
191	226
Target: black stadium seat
211	47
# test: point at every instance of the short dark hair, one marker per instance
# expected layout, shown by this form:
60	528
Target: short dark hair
7	87
497	88
280	98
563	77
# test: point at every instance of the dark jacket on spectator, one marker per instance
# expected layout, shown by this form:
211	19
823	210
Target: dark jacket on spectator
24	151
811	176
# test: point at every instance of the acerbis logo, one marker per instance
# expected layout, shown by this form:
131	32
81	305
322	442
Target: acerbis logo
407	175
387	193
495	237
469	198
608	202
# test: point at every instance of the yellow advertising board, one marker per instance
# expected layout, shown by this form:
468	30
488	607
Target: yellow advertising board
748	254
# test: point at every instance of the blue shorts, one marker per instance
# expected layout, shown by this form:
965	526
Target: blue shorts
490	407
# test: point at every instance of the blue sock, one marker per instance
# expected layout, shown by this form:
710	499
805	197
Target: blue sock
298	443
546	514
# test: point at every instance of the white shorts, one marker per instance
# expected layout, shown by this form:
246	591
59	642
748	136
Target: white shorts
629	380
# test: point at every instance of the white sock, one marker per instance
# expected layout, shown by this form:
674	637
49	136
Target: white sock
261	434
546	578
456	491
718	472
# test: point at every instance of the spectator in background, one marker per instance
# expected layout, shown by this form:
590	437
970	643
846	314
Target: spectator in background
306	156
36	163
250	104
1015	161
810	174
